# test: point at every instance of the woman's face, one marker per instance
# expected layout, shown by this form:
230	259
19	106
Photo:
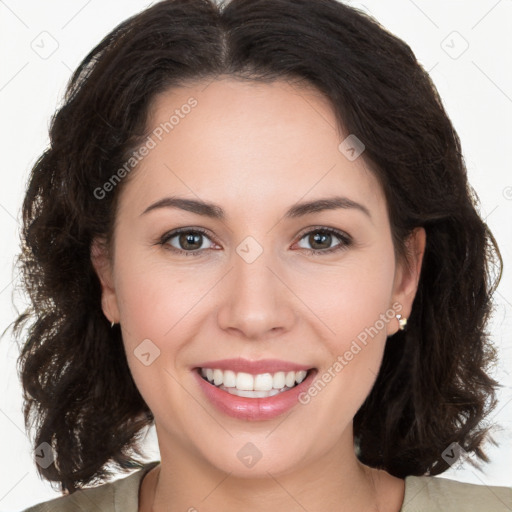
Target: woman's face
246	286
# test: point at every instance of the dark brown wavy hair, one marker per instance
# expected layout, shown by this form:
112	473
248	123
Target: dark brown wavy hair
434	385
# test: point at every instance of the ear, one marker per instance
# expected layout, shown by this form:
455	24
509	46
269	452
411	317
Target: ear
407	276
103	266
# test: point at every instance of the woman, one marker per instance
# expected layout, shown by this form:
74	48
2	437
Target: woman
253	228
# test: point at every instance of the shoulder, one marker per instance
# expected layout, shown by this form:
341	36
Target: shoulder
121	494
427	493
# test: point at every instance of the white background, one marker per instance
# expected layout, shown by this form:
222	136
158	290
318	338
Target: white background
476	88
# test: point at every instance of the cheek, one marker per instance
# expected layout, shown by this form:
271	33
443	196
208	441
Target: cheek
356	309
144	308
350	298
153	306
365	318
161	309
153	298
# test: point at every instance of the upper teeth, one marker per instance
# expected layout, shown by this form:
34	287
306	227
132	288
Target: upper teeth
248	382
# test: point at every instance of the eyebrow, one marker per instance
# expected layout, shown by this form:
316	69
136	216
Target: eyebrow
298	210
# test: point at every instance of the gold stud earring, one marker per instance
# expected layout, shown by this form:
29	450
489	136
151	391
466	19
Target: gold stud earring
401	321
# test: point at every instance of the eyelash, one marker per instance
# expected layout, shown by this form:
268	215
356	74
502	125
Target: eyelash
345	240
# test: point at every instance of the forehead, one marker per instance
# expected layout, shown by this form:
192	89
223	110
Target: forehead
261	145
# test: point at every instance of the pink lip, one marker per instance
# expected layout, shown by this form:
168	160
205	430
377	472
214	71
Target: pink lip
253	409
254	367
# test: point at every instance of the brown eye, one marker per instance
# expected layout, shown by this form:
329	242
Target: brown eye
321	240
189	241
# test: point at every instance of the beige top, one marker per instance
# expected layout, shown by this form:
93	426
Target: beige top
422	494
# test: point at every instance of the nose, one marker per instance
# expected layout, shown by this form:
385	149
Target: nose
257	301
